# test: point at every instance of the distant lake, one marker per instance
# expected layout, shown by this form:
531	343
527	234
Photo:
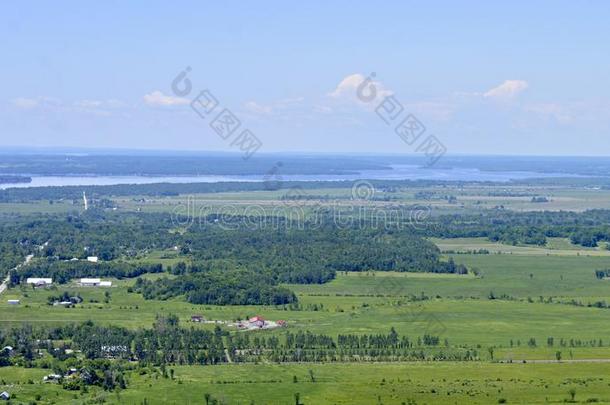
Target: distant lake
398	172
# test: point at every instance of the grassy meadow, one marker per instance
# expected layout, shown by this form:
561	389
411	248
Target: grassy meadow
346	384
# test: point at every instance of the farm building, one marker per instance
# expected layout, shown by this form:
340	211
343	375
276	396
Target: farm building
257	321
14	302
92	259
39	282
94	282
197	318
90	282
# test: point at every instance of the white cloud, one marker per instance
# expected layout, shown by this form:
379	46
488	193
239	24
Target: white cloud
98	104
157	98
349	87
507	90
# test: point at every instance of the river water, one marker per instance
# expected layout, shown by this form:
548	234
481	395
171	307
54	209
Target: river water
398	172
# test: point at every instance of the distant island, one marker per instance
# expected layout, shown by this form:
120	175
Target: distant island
15	179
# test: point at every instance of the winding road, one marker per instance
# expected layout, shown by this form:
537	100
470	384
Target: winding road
4	284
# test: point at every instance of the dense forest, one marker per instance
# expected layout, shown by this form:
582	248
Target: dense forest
233	287
229	266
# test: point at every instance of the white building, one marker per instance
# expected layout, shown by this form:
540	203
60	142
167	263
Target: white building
39	282
92	259
90	282
14	302
94	282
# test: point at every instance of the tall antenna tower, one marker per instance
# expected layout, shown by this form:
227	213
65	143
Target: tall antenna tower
85	200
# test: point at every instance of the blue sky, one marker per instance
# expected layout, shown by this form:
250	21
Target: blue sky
483	77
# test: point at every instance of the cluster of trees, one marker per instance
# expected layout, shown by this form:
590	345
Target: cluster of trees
14	247
109	375
242	267
64	237
583	228
64	297
312	255
234	287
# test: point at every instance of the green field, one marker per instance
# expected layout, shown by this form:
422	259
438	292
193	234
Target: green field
348	384
459	307
513	296
554	246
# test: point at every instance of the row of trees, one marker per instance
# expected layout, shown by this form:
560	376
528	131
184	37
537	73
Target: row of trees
169	343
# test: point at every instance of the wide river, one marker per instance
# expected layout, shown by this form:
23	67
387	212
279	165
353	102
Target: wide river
398	172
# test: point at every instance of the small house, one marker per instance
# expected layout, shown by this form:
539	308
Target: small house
5	396
92	259
197	318
14	302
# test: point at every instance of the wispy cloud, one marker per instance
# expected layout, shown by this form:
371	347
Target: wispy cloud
507	90
158	99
